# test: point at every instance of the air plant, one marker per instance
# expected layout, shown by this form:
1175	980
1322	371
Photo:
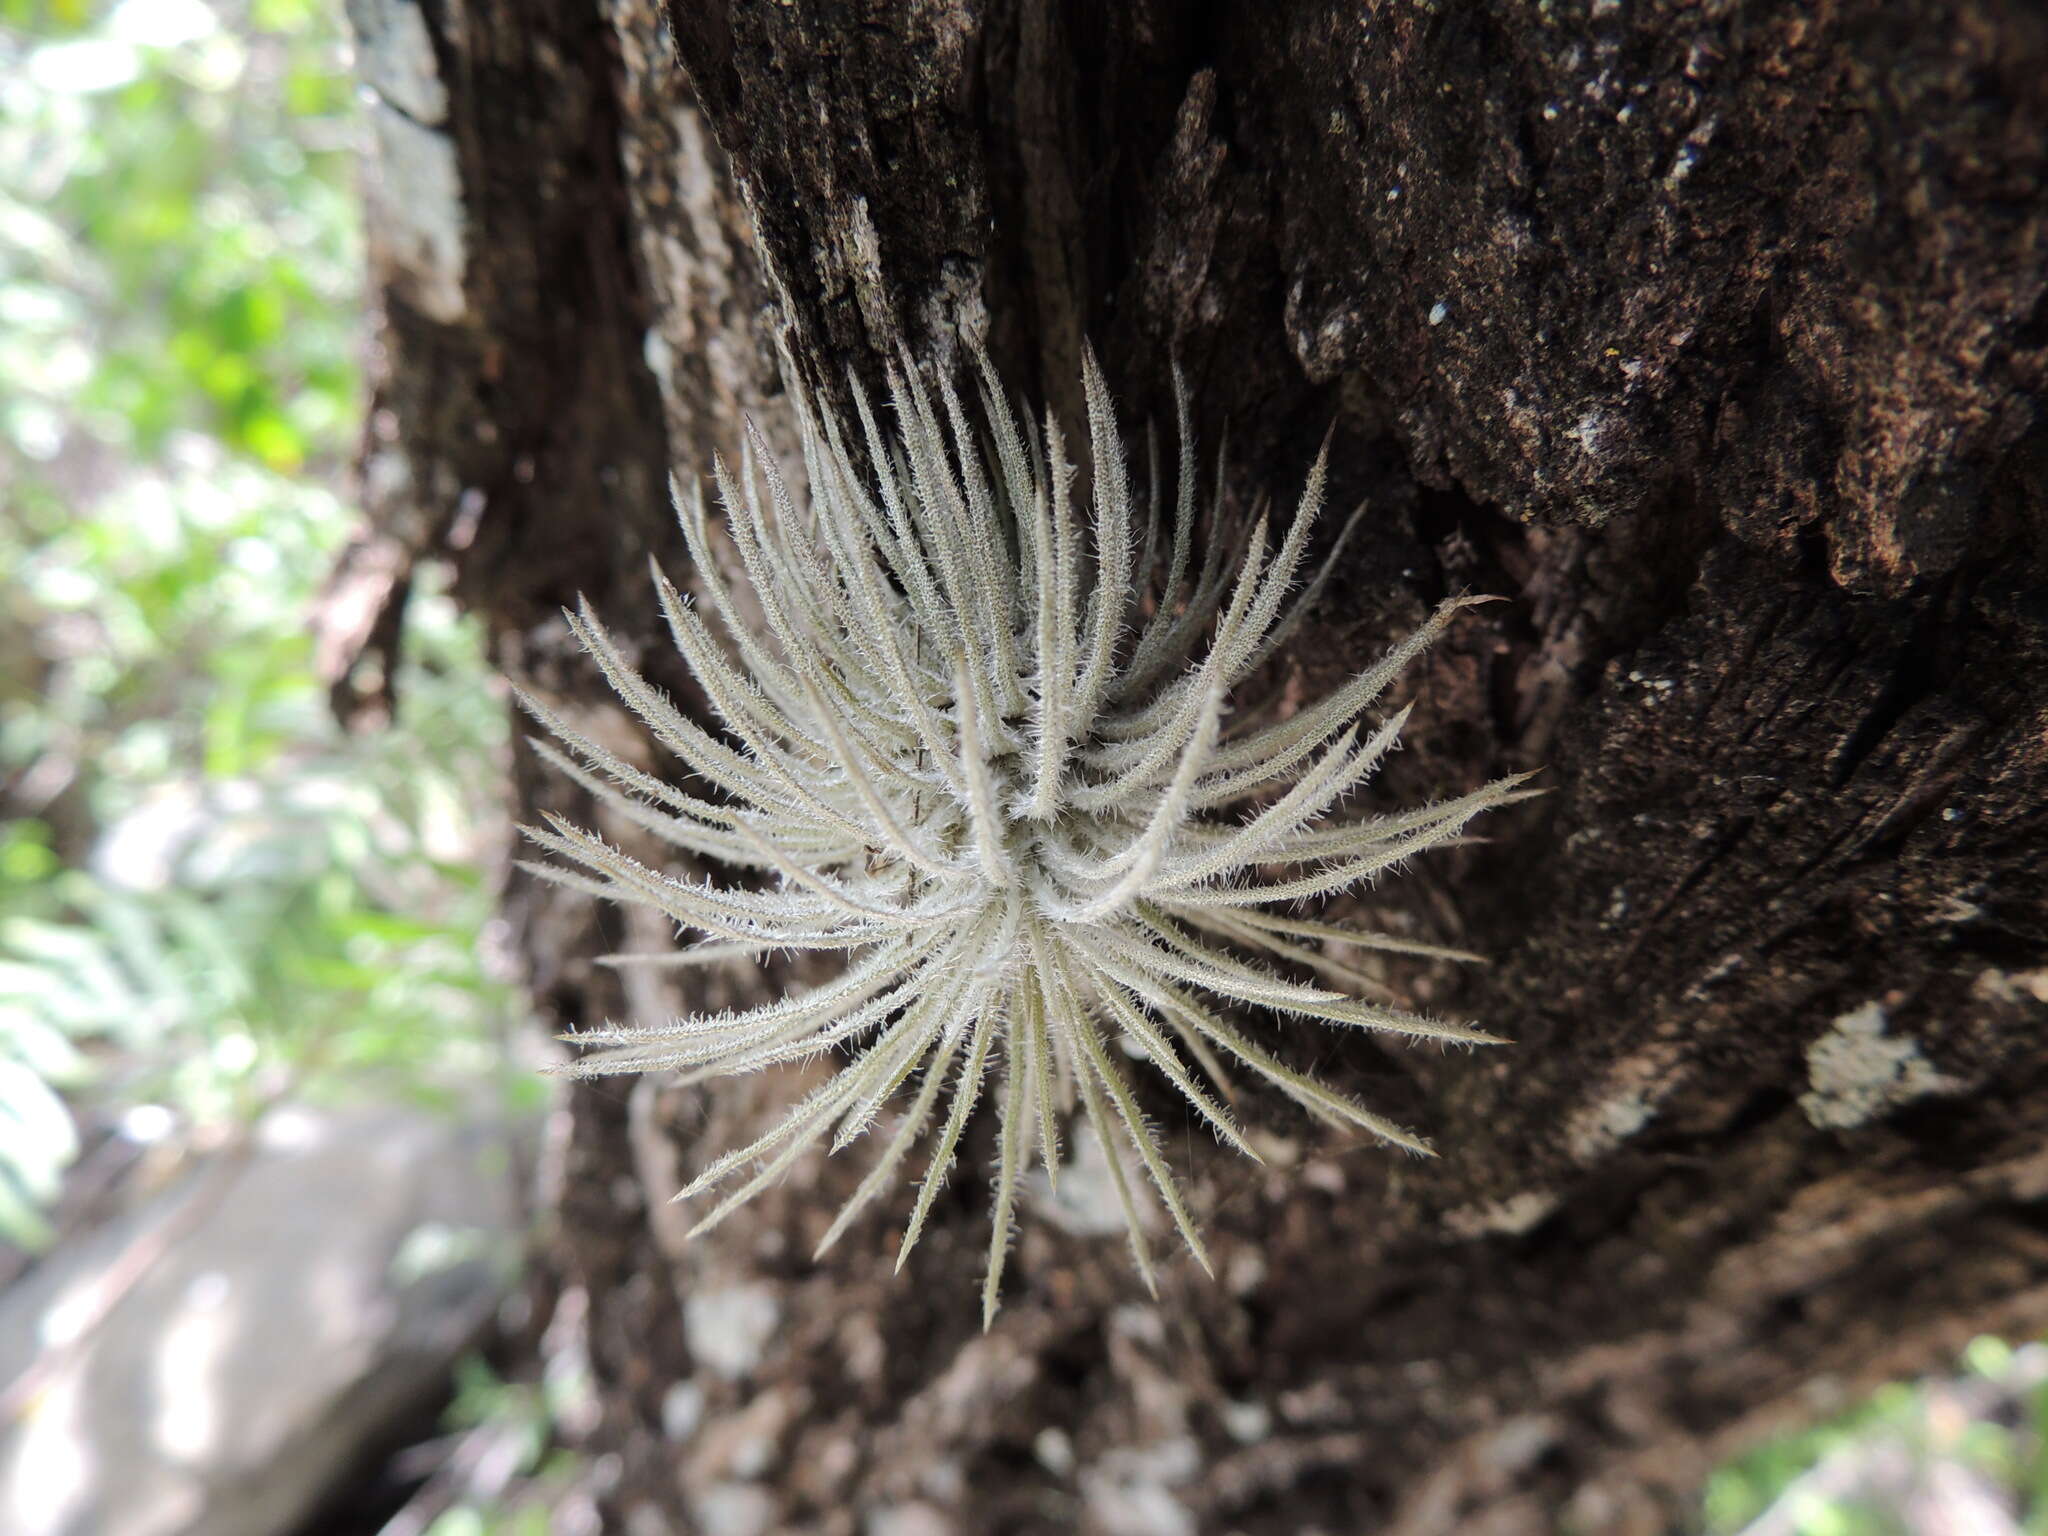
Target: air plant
982	743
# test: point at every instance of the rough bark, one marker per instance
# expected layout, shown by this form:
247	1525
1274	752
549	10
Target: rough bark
1711	335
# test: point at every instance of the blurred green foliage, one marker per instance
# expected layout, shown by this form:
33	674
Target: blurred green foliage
513	1487
178	238
1966	1453
208	895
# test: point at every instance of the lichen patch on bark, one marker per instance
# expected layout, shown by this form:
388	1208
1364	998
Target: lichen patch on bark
1860	1072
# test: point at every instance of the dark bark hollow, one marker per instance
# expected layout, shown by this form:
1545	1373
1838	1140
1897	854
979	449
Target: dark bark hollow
1712	336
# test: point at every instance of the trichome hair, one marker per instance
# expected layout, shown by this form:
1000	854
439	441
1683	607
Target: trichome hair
984	741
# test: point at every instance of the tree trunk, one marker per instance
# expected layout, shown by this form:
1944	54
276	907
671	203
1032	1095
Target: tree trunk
1712	336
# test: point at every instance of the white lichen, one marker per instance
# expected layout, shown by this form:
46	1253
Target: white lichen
980	751
1622	1101
1520	1212
728	1329
1859	1072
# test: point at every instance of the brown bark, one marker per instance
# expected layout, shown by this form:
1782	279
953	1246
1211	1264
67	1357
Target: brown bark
1714	337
